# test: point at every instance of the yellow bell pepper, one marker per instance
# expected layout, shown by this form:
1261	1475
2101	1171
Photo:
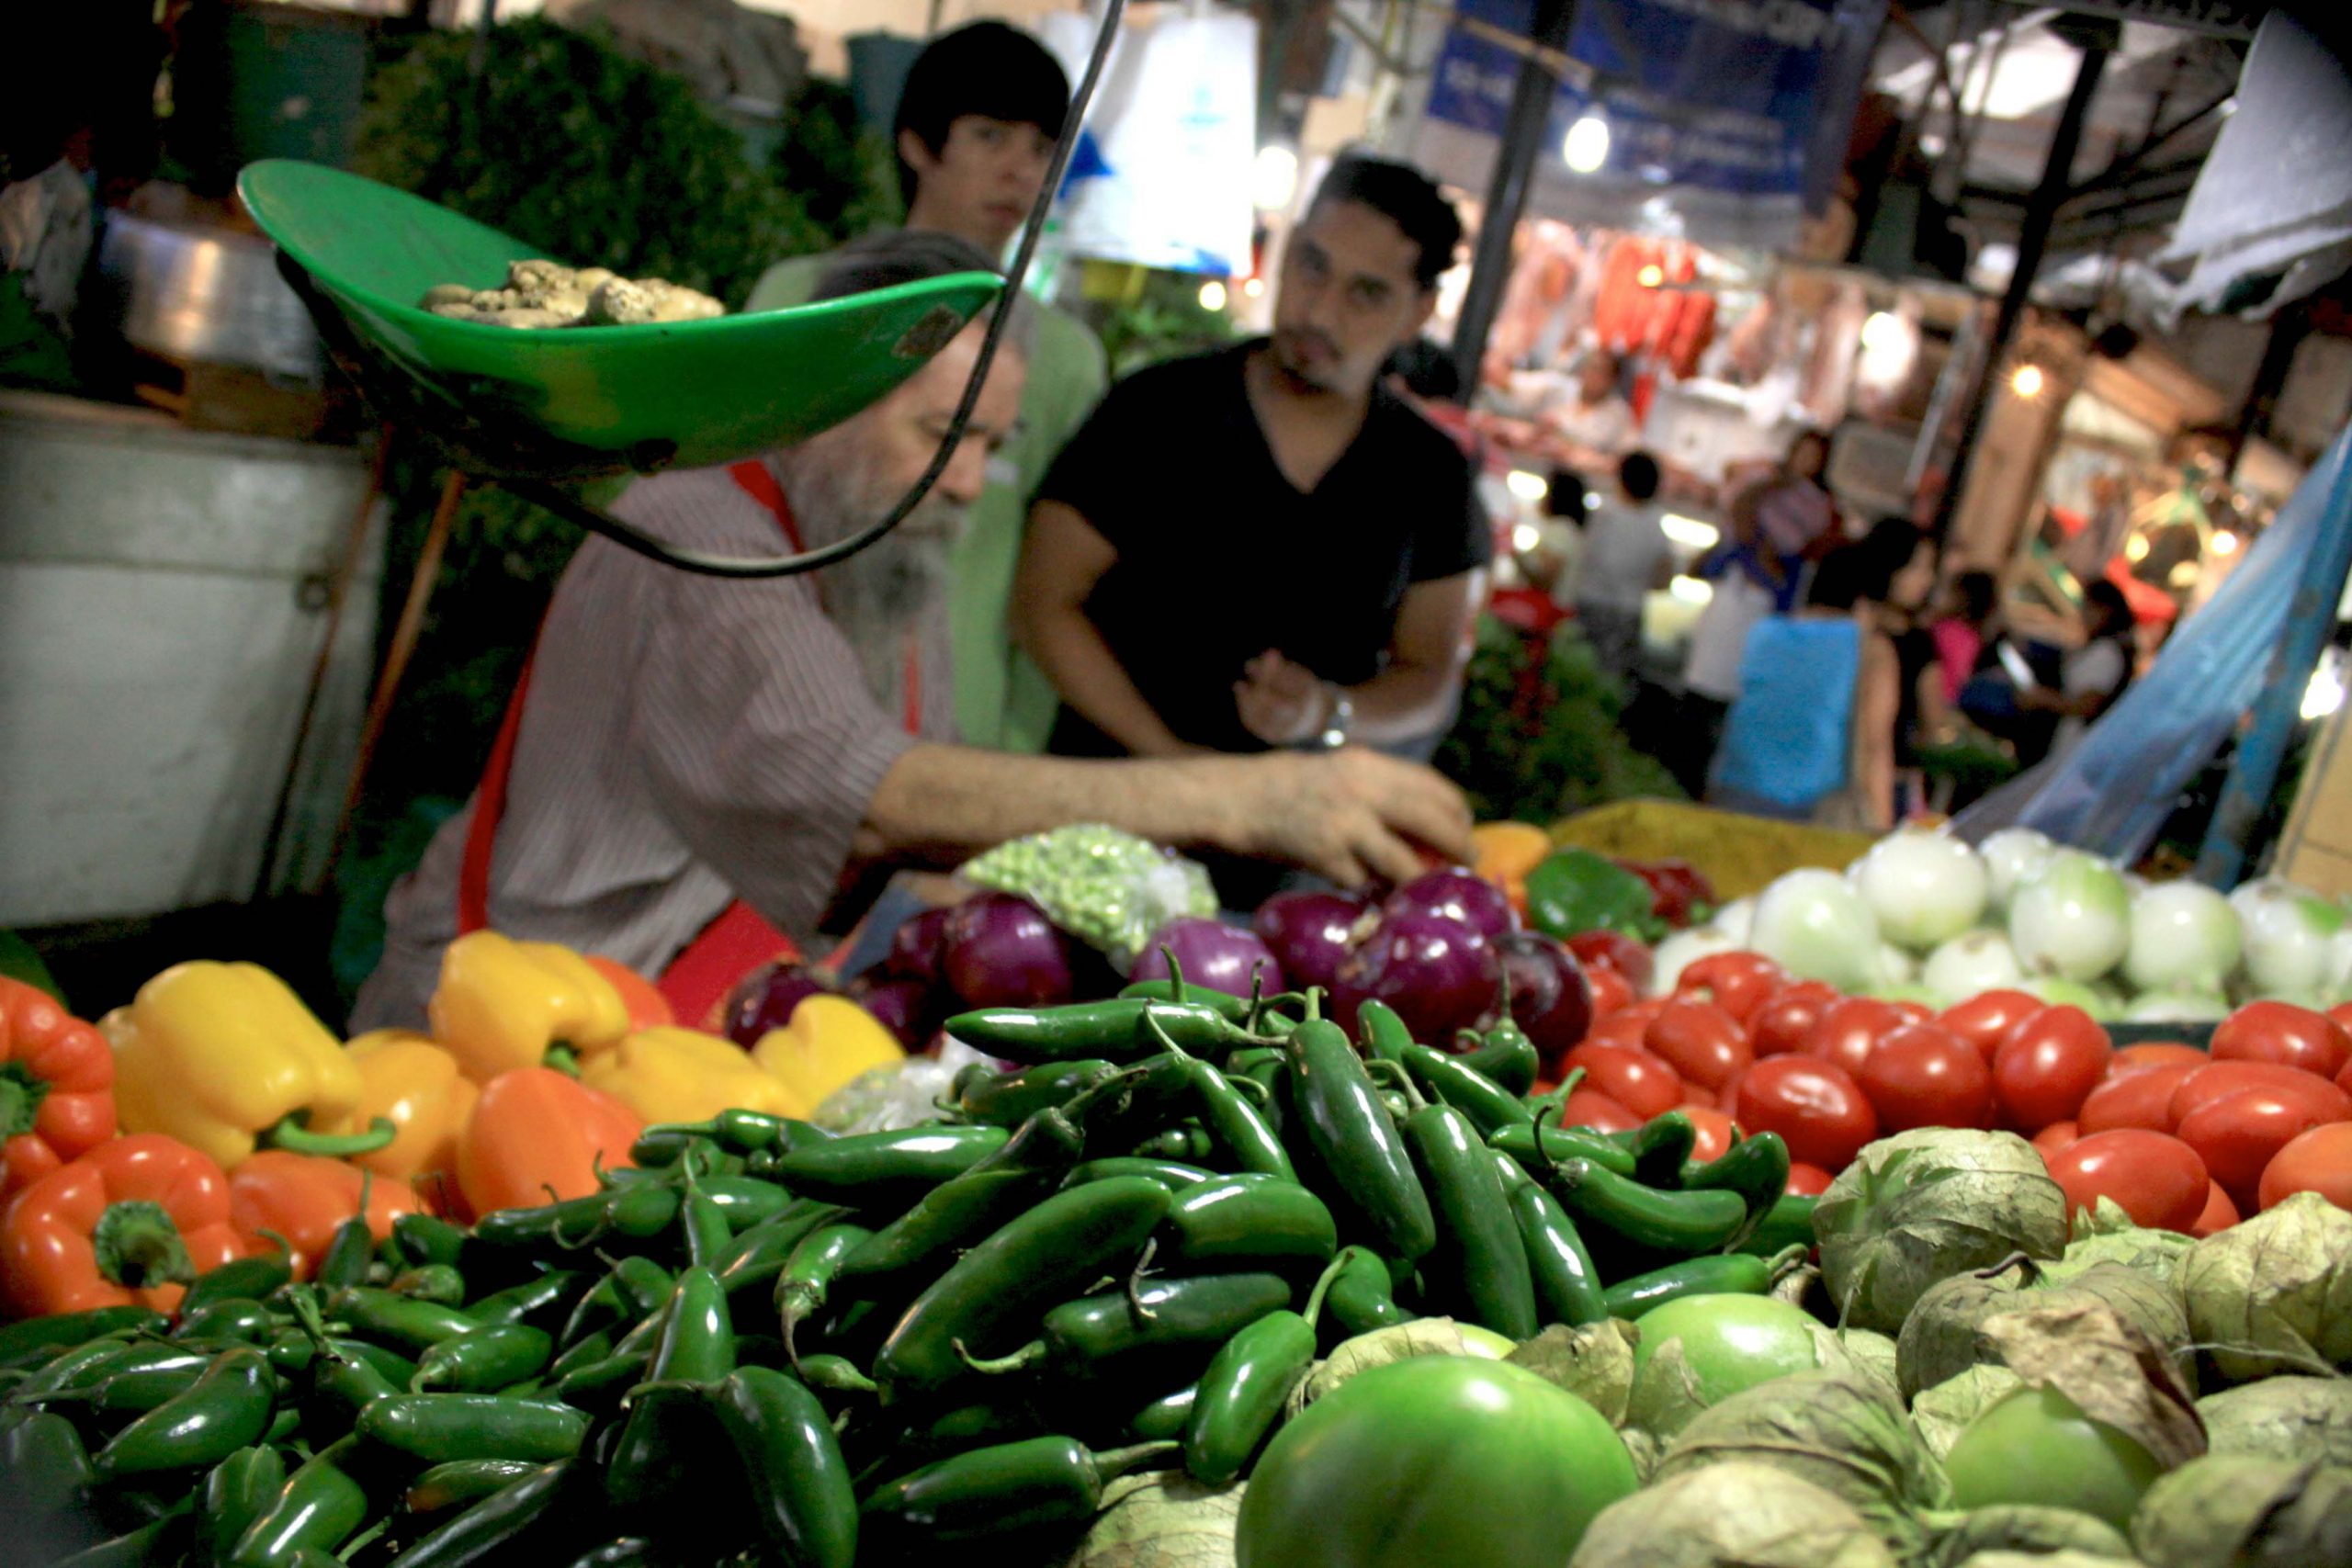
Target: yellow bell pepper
500	1003
415	1085
827	1042
682	1075
223	1056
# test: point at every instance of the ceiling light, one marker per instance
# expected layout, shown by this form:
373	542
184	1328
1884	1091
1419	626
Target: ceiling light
2136	548
2184	574
1884	333
2325	692
1690	590
1690	532
2225	543
1212	294
1651	276
1254	288
1275	178
2027	381
1529	488
1525	538
1587	145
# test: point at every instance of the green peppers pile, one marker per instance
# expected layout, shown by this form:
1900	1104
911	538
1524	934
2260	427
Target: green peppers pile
764	1343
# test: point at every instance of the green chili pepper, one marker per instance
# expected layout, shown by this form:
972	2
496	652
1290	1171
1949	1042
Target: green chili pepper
798	1482
1559	1144
1168	1173
1054	1249
656	1447
1386	1038
835	1374
1080	1338
1788	1223
460	1481
424	1238
637	1211
1235	1220
319	1506
235	1492
760	1254
661	1144
1488	1105
1163	1419
696	1343
1479	1266
1241	1394
227	1317
1504	1055
708	1236
495	1528
600	1384
801	1289
1231	1119
224	1410
140	1383
1567	1287
1007	1099
583	1351
485	1360
436	1283
241	1278
436	1427
1758	1169
538	1301
81	1367
36	1339
1189	1143
346	1260
966	1207
349	1381
746	1200
752	1132
1112	1031
994	1491
1661	1144
1725	1274
46	1465
414	1326
1355	1140
1362	1295
1574	891
157	1542
1233	1008
630	1552
1677	1223
885	1170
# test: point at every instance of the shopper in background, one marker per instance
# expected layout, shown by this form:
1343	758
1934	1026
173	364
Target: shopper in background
2090	677
975	140
1626	558
1812	735
1594	423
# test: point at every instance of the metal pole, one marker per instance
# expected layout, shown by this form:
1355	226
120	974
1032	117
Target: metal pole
2310	619
2033	241
1523	143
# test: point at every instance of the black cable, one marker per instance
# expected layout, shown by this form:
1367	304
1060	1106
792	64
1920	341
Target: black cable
566	505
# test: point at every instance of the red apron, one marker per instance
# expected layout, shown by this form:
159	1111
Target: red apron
696	982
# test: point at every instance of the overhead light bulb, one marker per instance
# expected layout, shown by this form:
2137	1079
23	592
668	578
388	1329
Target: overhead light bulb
1212	294
1525	538
2136	548
2027	381
1274	179
2225	543
2183	574
1690	532
1529	488
1252	288
1587	145
1651	276
2324	694
1691	590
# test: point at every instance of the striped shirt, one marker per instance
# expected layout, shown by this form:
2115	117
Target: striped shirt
687	740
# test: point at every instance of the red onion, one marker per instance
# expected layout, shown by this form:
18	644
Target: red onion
1211	953
907	1008
916	945
1549	999
1438	974
1309	933
1002	950
765	998
1457	895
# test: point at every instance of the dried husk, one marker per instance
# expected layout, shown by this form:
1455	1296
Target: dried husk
1731	1515
2292	1419
2108	1236
2246	1513
1422	1337
1161	1519
1861	1354
1946	1333
1594	1362
2037	1533
2115	1373
1844	1436
2274	1293
1922	1206
1942	1414
1939	1339
2064	1558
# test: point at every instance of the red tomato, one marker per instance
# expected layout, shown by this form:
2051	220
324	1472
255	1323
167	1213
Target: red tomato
1628	1075
2054	1138
1808	1180
1914	1012
1611	992
2159	1181
1989	1017
2047	1068
1850	1030
1815	1106
2135	1100
1617	950
1781	1025
1700	1040
2216	1080
2218	1214
2318	1161
1715	1130
1624	1027
2281	1032
1925	1076
2130	1060
1739	982
2239	1134
2344	1079
2342	1013
1590	1107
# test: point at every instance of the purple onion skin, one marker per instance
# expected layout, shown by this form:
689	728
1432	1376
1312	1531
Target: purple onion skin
765	998
1439	976
916	947
1002	950
1458	895
1213	955
908	1009
1309	933
1550	1000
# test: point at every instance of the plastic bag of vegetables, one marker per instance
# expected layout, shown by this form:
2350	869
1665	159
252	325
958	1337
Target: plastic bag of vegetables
1109	889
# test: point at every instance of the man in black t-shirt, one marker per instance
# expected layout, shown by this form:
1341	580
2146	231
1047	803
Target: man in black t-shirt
1262	545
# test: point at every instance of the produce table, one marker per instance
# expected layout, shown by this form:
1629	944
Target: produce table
1741	855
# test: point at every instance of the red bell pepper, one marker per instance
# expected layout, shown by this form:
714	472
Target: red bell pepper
302	1197
56	1086
127	1224
538	1135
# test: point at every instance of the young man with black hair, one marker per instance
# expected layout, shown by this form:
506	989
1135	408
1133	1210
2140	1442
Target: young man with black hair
974	135
1264	545
1624	558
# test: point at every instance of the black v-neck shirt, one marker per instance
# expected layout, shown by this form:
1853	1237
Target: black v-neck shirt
1221	556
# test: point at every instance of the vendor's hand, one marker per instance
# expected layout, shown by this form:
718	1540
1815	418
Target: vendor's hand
1352	815
1281	702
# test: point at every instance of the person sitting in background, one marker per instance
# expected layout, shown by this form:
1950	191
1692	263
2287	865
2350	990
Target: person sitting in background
1626	558
1594	425
1960	636
2090	677
1810	735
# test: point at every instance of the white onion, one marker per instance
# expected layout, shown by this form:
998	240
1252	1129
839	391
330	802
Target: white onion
1896	966
2177	1007
2185	937
1970	964
2072	920
2060	992
2339	966
2011	857
1922	888
1737	919
1814	924
1681	950
2288	936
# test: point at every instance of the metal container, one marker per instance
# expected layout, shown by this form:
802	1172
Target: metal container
202	295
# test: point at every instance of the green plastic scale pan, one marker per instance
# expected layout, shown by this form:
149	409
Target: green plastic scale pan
575	401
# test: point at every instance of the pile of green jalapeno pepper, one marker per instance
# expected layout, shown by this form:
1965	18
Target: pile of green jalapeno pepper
764	1343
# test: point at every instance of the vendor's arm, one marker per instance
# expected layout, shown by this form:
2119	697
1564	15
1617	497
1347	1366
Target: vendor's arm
1349	813
1283	702
1062	558
1878	689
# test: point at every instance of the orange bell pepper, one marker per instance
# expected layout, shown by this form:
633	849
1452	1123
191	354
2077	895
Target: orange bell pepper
127	1224
416	1086
302	1197
56	1086
1507	851
646	1007
536	1135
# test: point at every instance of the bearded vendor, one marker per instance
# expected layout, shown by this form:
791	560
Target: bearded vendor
691	764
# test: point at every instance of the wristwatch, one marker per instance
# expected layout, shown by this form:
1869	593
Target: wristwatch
1338	719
